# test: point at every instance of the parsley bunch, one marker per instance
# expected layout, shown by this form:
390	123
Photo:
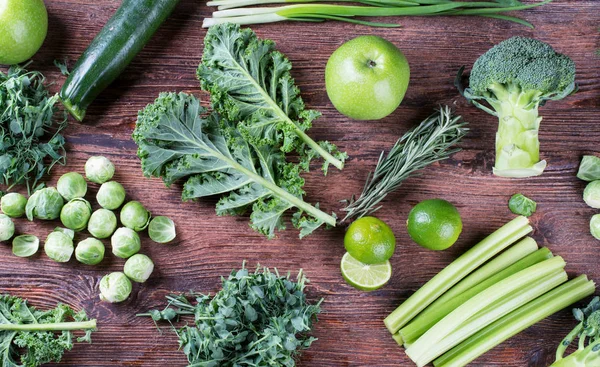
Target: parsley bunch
257	319
30	139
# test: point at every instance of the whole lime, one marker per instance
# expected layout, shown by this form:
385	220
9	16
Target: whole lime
23	28
370	240
434	224
366	78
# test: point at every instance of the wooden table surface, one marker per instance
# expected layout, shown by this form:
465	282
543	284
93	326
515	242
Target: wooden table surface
350	330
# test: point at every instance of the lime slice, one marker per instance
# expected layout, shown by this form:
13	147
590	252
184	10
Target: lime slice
365	277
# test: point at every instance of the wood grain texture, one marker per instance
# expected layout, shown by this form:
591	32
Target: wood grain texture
350	330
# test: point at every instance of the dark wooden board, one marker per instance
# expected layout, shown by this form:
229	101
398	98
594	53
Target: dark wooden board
350	330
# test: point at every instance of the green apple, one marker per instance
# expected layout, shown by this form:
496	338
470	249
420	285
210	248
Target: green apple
23	28
366	78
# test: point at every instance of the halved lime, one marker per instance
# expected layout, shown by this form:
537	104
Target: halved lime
365	277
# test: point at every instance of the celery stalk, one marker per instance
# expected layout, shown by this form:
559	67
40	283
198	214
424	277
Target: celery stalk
444	305
494	312
457	270
517	321
418	351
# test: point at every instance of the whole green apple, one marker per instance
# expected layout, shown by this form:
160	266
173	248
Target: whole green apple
366	78
23	28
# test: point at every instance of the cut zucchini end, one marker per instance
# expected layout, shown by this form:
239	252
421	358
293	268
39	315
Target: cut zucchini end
75	111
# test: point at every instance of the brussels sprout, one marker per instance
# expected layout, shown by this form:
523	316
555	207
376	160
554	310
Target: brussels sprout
135	216
99	169
138	268
7	228
89	251
67	231
111	195
589	168
44	204
595	226
161	229
591	194
25	245
76	214
102	223
59	247
115	287
125	242
13	204
522	205
71	186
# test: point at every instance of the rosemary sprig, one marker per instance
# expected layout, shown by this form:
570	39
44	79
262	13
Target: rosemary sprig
425	144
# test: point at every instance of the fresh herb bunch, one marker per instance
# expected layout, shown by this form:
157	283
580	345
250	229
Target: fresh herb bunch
425	144
36	337
256	319
178	140
30	139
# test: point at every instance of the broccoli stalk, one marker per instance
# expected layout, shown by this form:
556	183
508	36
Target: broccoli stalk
587	329
515	78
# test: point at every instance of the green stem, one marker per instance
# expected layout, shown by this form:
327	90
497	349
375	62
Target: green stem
564	344
457	270
316	147
517	321
57	326
443	305
586	357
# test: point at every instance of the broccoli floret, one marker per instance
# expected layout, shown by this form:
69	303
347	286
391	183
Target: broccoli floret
515	78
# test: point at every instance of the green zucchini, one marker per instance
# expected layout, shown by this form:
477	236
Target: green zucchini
123	36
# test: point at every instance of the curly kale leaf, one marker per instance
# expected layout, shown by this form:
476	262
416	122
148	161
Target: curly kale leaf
250	83
179	139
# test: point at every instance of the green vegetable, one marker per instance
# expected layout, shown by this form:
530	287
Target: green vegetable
595	226
30	134
589	168
515	78
25	245
30	337
125	242
13	204
71	186
121	39
115	287
318	12
251	85
431	141
138	268
588	329
135	216
7	228
162	229
99	169
591	194
522	205
76	214
69	232
44	204
172	135
517	321
256	319
89	251
59	247
457	270
111	195
102	223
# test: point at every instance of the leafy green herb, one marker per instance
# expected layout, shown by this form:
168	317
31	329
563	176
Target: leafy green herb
250	84
30	139
36	337
62	66
588	329
522	205
178	140
589	168
425	144
257	319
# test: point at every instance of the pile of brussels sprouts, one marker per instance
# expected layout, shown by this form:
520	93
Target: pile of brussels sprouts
67	202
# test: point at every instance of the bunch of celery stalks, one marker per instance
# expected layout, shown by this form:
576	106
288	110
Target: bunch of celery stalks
499	287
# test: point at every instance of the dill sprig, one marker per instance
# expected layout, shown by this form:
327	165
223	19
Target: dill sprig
30	139
425	144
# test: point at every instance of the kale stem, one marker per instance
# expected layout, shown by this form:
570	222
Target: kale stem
58	326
